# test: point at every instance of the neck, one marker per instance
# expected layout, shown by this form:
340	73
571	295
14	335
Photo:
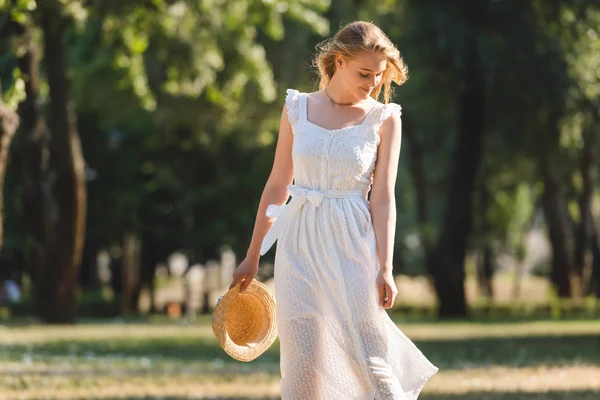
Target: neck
337	103
336	95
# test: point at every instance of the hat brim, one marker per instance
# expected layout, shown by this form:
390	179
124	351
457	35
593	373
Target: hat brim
237	314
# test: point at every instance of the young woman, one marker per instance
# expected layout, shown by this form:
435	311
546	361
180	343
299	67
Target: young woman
333	262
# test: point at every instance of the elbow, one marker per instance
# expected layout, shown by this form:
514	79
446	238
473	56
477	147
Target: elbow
276	190
277	184
382	207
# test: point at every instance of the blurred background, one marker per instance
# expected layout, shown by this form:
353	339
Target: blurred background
136	138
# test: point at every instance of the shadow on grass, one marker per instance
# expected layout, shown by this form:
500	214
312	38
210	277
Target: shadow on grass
453	354
513	352
171	349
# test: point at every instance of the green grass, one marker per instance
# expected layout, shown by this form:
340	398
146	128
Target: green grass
525	360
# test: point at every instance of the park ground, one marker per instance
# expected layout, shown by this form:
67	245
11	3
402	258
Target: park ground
155	358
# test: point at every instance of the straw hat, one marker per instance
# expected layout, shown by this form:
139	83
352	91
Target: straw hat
244	323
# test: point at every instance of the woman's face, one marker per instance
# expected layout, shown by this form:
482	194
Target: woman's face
362	73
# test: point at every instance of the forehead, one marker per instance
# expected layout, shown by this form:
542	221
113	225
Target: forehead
369	60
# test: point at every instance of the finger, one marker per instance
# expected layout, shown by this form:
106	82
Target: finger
245	283
387	295
235	281
384	295
393	294
380	292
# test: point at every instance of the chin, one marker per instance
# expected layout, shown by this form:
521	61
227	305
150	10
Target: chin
364	93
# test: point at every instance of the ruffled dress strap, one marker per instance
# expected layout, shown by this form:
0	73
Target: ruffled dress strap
384	112
292	102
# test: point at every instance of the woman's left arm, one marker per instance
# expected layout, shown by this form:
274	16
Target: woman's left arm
383	204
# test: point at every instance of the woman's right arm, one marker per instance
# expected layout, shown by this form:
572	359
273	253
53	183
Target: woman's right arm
275	192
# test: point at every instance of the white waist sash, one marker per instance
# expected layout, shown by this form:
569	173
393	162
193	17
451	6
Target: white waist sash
286	212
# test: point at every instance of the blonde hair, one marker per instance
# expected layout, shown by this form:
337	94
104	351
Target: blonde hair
356	37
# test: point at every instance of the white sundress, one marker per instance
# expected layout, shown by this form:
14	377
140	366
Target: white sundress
336	341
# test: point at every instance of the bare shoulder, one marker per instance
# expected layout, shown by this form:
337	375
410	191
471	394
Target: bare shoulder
390	118
390	124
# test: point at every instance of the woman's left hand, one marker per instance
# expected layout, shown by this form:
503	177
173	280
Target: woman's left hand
386	288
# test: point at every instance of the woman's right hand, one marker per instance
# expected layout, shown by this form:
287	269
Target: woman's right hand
246	271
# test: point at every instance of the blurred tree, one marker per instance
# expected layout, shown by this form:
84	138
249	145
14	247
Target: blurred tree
9	121
175	109
187	89
579	37
32	144
569	27
58	279
460	80
54	258
523	88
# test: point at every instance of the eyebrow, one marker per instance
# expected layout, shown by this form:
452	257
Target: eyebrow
367	69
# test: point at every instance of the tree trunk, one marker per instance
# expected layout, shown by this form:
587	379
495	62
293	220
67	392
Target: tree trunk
417	169
419	175
9	121
34	168
449	254
555	209
116	270
584	240
485	264
594	287
88	270
69	191
485	272
149	259
130	273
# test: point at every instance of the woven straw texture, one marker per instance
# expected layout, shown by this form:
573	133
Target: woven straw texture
244	323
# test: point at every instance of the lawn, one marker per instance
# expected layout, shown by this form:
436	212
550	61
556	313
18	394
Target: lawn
176	360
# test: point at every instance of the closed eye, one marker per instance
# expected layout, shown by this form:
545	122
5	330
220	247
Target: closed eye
366	75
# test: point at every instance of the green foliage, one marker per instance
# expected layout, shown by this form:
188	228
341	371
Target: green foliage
16	92
173	119
179	102
201	48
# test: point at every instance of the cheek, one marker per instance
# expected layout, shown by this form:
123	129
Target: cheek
360	81
355	80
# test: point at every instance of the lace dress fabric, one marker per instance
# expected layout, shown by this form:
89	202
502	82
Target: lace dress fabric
336	341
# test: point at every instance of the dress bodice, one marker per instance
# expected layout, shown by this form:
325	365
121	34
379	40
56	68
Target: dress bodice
334	159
